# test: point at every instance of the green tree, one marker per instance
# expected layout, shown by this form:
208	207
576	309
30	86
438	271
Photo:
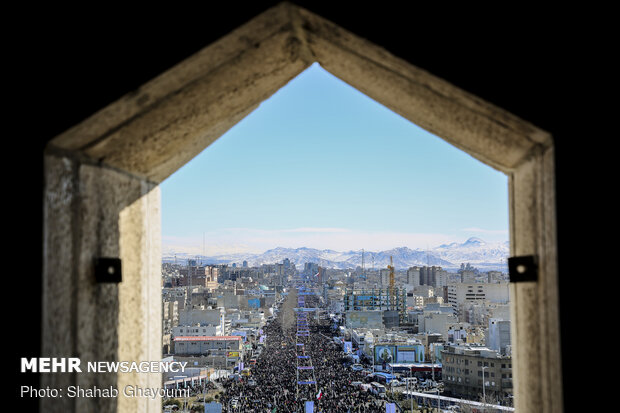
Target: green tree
174	402
197	408
405	405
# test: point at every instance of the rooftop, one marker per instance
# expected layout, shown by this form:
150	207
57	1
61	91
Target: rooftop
206	338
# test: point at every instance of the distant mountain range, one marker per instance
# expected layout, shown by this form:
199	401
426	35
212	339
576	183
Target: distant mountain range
485	256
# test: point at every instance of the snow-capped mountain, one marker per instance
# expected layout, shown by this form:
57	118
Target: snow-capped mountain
477	252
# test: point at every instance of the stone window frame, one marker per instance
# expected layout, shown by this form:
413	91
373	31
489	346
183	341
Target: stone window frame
101	194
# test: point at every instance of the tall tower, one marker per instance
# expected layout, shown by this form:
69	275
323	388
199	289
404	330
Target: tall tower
363	272
188	282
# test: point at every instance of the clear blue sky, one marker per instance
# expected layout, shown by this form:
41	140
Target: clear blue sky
320	164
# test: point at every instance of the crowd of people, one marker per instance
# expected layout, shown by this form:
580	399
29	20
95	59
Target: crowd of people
273	384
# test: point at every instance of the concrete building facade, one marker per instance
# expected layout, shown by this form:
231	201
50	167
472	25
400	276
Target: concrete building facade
463	368
413	276
499	335
227	346
460	293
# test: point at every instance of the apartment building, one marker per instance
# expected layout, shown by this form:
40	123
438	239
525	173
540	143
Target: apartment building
467	368
460	293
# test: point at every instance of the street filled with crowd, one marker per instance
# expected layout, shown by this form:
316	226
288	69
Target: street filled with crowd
276	384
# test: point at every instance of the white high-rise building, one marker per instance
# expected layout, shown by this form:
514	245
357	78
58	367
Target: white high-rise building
498	337
459	293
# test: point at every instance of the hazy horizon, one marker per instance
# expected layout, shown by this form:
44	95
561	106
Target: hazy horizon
195	249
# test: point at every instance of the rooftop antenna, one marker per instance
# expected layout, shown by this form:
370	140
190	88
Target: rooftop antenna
373	262
363	273
428	269
188	298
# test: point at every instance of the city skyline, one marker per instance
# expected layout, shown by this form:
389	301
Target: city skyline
477	252
321	165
